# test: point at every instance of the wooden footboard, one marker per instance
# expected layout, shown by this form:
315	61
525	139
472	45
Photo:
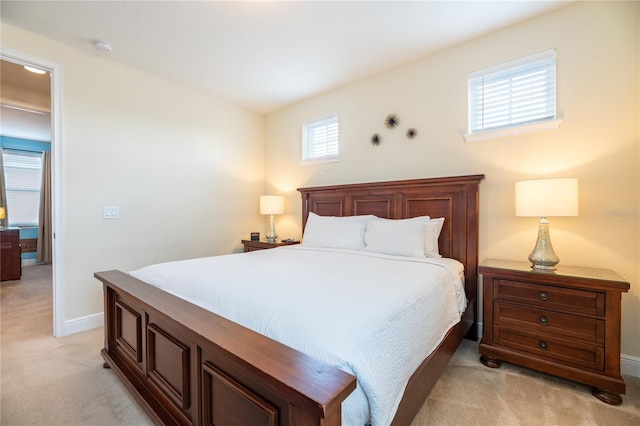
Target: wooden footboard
187	365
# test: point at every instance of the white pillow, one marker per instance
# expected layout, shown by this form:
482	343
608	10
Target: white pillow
433	229
401	237
335	232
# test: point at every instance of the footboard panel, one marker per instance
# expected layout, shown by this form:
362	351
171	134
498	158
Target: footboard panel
189	366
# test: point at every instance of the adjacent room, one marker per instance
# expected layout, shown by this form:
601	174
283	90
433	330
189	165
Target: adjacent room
319	159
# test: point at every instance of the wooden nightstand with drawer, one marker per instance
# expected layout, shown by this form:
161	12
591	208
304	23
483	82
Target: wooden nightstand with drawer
564	322
263	245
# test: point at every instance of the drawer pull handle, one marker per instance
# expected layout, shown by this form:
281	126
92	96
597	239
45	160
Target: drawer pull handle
543	320
543	345
544	295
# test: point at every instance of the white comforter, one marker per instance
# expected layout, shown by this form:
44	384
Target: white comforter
375	316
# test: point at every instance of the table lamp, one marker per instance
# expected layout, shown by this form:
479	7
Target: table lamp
545	198
271	205
3	215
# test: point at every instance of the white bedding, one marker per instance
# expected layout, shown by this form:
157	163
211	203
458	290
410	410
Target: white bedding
375	316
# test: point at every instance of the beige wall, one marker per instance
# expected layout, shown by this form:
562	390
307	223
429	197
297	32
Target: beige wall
184	168
598	141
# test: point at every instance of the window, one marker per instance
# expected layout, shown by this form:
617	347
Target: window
320	139
22	171
514	94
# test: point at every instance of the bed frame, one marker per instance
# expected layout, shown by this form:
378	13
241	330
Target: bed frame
186	365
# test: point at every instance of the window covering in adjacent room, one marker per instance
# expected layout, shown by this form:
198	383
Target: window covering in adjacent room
22	174
3	193
44	248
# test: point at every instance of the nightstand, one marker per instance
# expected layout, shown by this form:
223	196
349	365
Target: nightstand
564	322
262	245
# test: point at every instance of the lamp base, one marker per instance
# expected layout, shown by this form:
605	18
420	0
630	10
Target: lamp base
542	256
542	267
272	237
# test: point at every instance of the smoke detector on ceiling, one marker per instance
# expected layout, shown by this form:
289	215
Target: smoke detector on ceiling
102	46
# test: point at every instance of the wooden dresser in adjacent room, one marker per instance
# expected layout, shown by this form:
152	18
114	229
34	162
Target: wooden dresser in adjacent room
10	260
564	322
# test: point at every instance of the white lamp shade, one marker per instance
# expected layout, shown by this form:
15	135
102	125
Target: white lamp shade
271	204
547	197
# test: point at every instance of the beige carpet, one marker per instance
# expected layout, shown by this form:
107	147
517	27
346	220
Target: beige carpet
48	381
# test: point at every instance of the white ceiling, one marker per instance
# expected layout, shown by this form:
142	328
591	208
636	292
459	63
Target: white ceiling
265	55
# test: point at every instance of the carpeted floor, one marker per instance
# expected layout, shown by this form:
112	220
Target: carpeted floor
49	381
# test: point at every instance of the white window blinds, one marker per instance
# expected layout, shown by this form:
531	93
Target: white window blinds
22	171
320	138
515	93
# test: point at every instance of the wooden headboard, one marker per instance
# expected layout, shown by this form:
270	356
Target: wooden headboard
454	198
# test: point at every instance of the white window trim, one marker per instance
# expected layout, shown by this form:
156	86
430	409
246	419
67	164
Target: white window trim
504	132
513	63
550	123
324	159
35	206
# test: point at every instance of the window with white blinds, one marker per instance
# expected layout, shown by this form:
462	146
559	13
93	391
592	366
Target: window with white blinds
320	139
515	93
23	175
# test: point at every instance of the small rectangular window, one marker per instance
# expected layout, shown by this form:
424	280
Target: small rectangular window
23	174
515	93
320	138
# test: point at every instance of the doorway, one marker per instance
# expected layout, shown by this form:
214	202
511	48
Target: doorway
19	60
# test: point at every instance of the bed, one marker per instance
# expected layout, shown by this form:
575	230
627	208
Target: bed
188	365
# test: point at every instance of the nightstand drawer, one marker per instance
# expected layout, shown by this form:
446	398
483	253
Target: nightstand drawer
551	322
551	348
550	297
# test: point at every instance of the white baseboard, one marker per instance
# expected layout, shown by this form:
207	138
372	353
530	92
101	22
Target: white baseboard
88	322
29	262
630	365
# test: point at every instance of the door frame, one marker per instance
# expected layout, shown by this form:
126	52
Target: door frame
57	210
